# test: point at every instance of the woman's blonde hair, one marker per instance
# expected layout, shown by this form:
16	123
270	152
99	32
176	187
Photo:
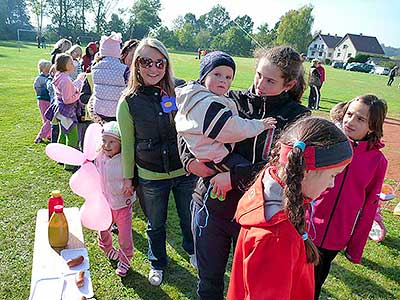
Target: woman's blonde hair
135	80
75	49
63	45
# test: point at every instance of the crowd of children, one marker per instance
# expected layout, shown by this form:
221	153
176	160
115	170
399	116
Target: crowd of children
313	195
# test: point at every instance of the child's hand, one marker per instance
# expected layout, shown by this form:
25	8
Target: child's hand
81	76
127	188
269	123
221	184
199	168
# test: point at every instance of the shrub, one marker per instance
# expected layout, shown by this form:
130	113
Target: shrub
327	61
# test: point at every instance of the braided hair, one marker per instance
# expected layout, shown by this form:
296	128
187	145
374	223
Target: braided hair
313	131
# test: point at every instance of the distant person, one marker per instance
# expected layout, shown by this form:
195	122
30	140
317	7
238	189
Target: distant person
90	51
43	42
65	109
60	47
127	52
38	38
315	84
43	98
393	73
76	53
108	75
321	72
199	53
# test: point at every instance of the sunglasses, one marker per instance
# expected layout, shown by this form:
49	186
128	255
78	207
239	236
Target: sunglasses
147	62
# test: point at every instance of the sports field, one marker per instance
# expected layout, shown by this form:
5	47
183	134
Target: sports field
27	177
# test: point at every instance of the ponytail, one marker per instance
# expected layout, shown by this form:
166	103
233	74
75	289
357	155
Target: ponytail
294	200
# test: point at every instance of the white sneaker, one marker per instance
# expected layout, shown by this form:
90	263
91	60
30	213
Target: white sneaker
193	260
155	277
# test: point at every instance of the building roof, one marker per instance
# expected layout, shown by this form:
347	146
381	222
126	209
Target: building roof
331	40
364	43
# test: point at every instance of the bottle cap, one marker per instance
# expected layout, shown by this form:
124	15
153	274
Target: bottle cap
58	209
56	194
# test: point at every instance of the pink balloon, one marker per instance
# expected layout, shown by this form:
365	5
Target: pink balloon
95	212
64	154
93	141
94	215
86	180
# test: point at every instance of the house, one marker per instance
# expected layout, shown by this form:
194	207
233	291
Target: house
322	46
351	45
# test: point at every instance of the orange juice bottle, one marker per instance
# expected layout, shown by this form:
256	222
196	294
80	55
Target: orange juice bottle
58	228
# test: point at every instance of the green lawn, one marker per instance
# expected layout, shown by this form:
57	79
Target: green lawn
27	176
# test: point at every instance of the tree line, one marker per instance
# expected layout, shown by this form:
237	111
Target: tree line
89	19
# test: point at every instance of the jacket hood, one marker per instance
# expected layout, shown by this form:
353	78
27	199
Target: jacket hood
58	77
187	96
261	205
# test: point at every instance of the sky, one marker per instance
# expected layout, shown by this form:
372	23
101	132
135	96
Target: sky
379	18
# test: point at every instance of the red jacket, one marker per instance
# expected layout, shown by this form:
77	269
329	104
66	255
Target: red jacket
270	257
344	218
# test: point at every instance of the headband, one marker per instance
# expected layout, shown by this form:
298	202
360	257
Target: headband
320	158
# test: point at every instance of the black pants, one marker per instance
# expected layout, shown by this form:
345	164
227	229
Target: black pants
321	271
213	244
390	81
314	97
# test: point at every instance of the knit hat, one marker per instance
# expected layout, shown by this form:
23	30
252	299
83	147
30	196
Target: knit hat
213	60
110	45
111	129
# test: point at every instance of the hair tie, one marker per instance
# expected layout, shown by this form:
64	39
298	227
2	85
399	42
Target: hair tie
305	236
299	144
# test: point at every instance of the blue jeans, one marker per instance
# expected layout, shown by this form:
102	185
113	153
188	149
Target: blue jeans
153	197
213	244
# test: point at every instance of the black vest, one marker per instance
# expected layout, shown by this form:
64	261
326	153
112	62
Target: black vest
155	134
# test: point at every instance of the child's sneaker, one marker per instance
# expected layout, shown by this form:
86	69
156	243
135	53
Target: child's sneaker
122	269
193	260
155	277
112	254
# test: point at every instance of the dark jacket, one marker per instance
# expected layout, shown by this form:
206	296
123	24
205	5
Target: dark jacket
284	109
155	133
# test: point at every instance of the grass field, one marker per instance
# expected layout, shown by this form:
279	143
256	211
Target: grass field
27	176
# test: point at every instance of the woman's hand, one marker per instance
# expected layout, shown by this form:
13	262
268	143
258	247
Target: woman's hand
221	184
198	168
127	188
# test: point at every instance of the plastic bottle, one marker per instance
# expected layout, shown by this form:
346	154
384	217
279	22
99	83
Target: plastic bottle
54	200
58	228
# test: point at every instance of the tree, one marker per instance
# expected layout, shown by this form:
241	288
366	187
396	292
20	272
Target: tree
16	18
186	36
234	41
216	21
116	24
265	37
144	18
166	36
3	17
101	9
202	39
295	28
39	8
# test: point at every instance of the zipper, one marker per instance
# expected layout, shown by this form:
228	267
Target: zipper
337	200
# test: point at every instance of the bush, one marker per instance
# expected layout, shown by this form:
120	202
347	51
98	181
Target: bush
327	61
362	58
387	64
350	60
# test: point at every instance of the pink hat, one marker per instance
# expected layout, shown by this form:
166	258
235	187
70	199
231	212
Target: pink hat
110	45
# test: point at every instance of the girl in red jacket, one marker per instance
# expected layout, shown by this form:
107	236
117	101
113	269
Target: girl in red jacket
344	218
274	257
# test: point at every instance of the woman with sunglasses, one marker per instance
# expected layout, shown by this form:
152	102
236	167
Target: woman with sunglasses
145	116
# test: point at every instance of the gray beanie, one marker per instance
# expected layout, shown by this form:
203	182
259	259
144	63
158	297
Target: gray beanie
213	60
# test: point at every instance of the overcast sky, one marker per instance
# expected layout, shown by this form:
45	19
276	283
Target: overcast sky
380	18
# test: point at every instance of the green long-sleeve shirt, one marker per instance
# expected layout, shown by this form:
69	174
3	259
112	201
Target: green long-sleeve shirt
127	130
